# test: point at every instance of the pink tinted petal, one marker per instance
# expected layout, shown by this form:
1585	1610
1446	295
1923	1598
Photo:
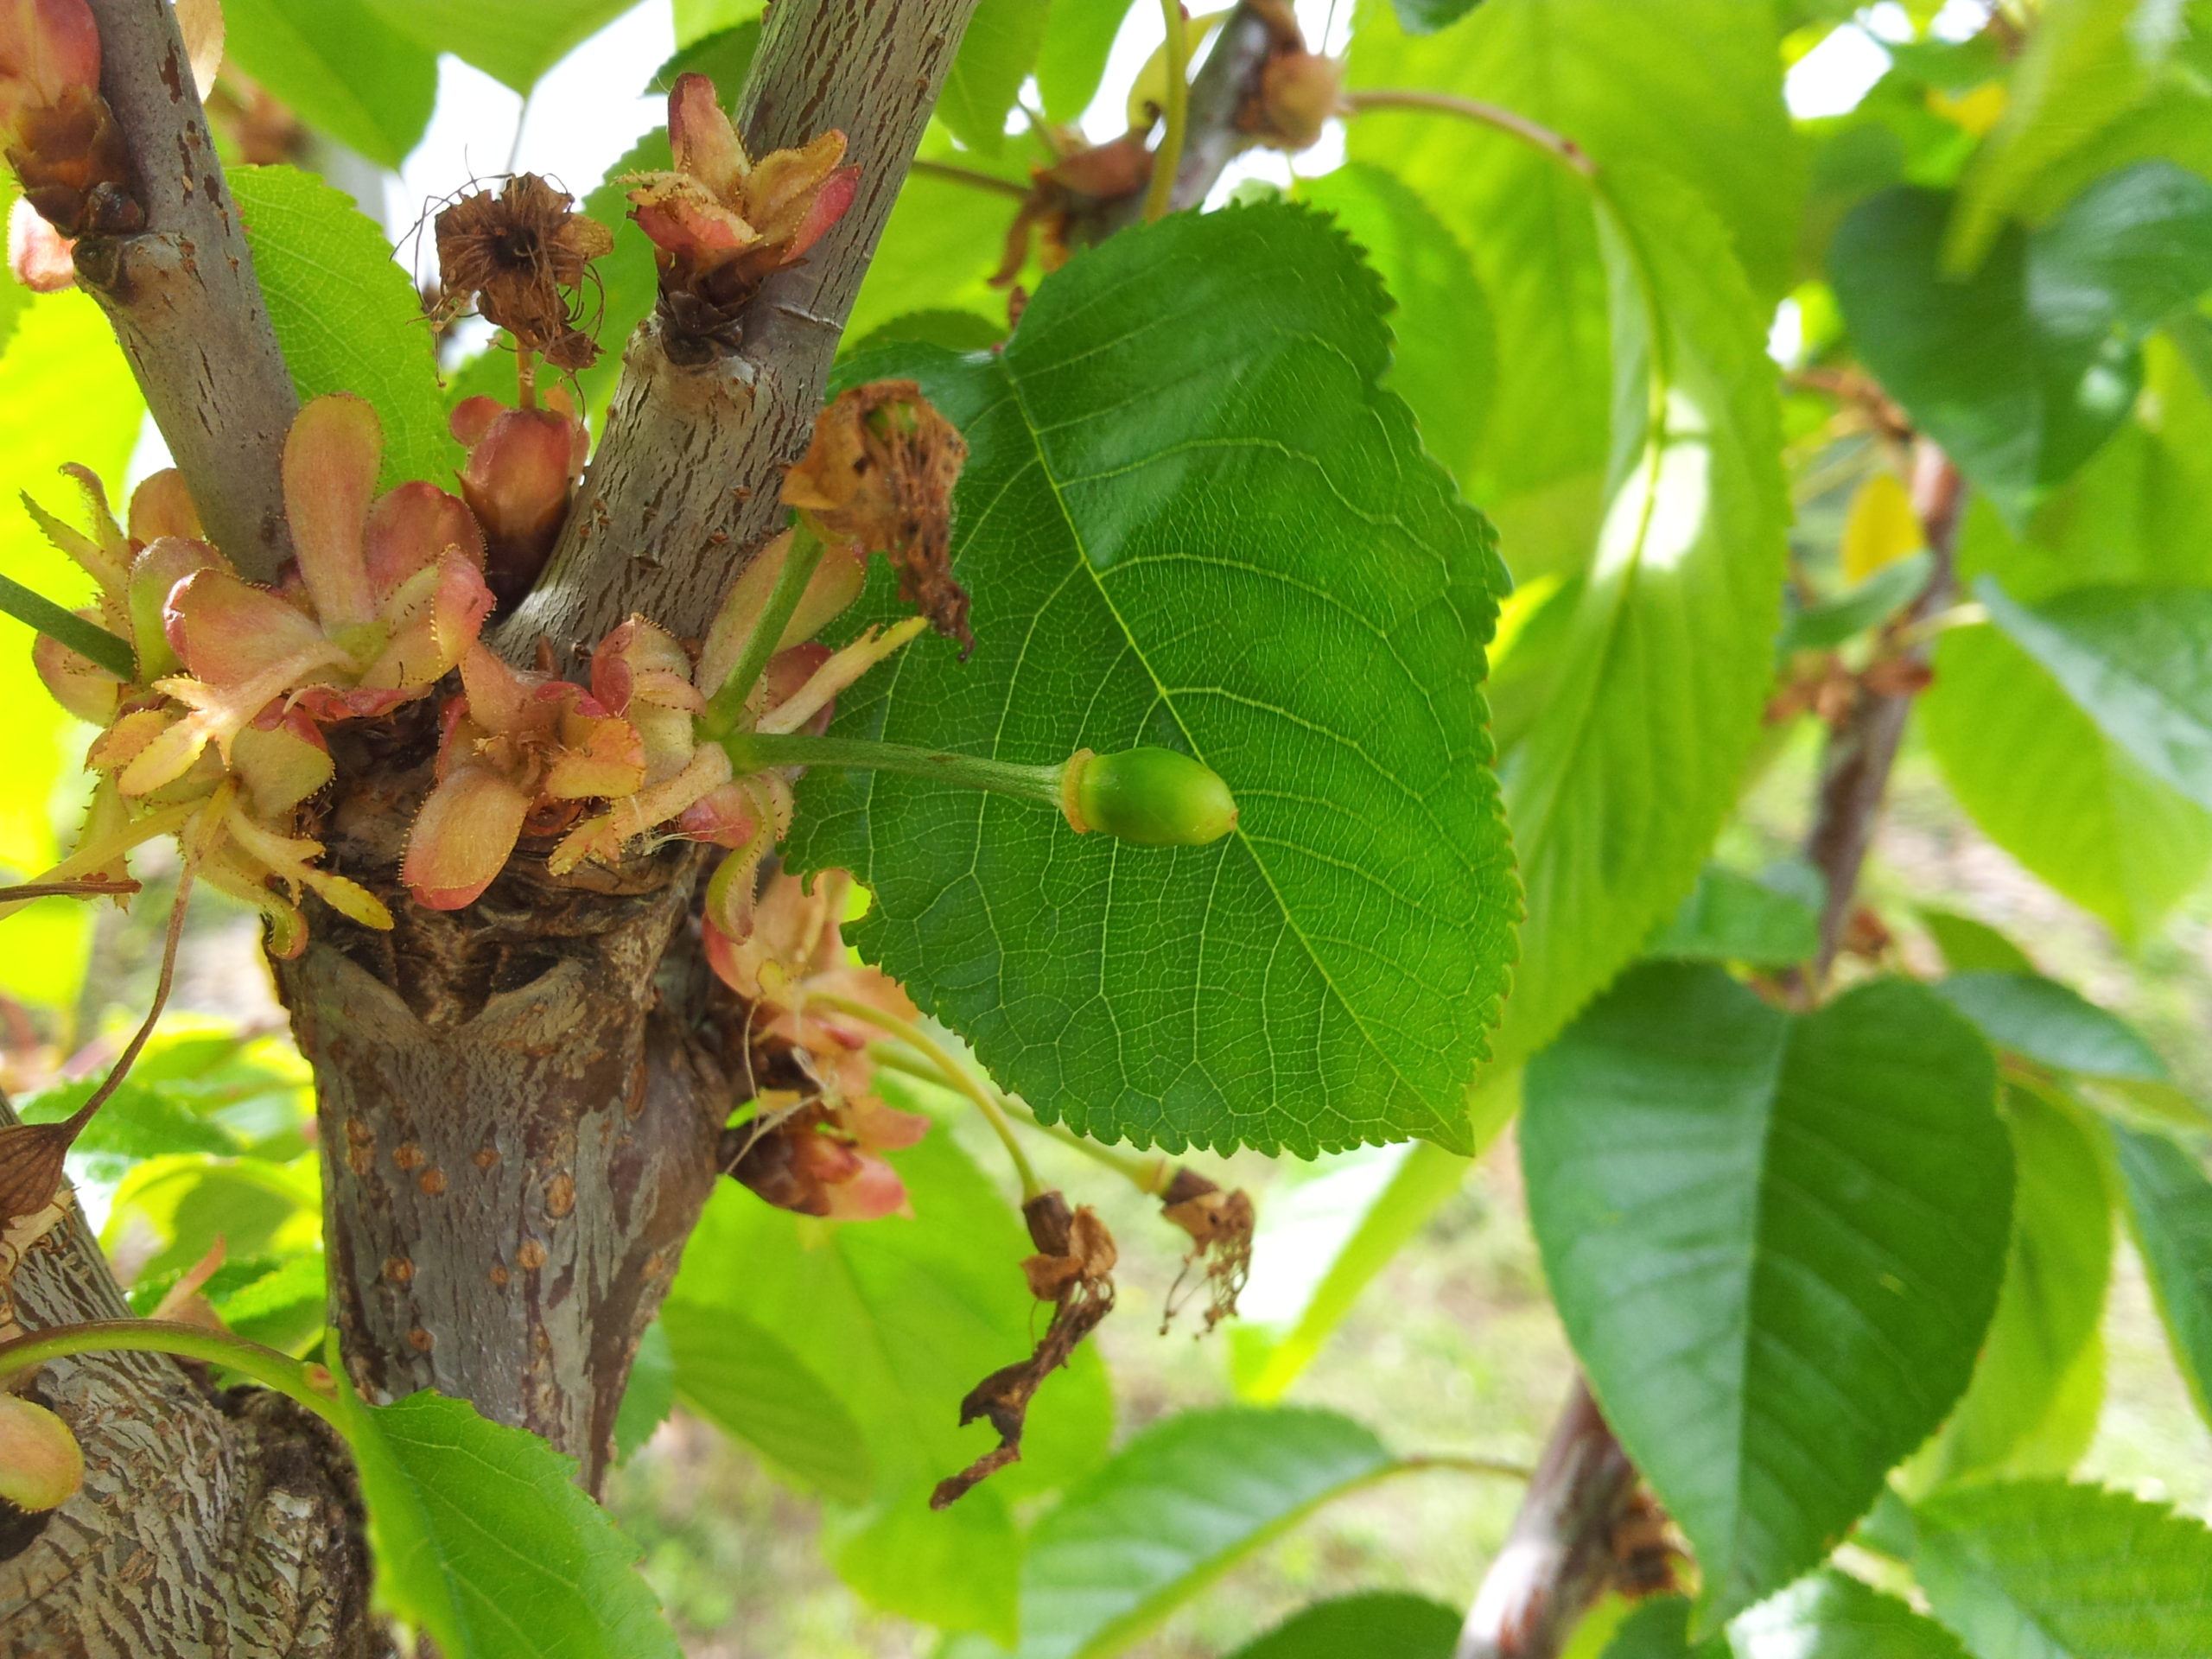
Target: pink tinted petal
226	631
705	144
409	529
78	683
679	216
829	207
880	1127
42	259
498	696
330	476
50	45
162	506
470	419
330	703
440	614
873	1192
462	837
728	817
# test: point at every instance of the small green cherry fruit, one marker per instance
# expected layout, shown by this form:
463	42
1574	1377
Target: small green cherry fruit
40	1465
1155	797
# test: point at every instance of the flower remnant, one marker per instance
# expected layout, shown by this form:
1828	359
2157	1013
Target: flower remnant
520	257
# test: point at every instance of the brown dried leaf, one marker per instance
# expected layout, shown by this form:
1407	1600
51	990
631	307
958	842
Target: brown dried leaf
1073	1270
878	476
30	1167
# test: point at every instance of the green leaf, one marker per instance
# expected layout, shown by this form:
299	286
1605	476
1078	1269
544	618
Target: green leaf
1374	1625
1443	355
281	1308
512	40
347	316
1321	1242
2170	1212
996	55
695	19
2137	661
940	246
887	1324
1183	491
1659	1628
1749	1218
742	1378
187	1201
2046	785
2040	1019
1831	1615
1071	61
955	331
65	394
341	67
1617	790
1970	947
1693	88
650	1394
140	1121
1879	597
2022	369
1174	1509
1731	917
484	1541
2086	61
1426	17
2045	1570
2048	1309
725	57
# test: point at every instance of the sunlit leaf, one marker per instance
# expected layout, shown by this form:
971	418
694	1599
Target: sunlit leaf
341	67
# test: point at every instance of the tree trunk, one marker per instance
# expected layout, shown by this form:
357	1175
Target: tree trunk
210	1522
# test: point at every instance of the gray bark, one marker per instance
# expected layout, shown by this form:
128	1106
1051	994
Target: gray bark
209	1522
183	297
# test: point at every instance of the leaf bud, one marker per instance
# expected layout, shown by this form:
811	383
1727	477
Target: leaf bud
1155	797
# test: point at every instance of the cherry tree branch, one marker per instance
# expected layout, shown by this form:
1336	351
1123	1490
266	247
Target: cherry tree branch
182	298
683	489
1211	139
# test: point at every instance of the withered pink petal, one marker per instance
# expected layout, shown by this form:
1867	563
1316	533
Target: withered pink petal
829	207
470	419
227	631
41	259
500	697
873	1192
462	837
727	817
880	1127
702	137
409	530
330	476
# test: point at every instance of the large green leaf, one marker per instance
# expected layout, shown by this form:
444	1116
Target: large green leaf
1443	353
941	244
2045	1326
1375	1625
996	54
1617	788
1830	1615
2045	1570
2040	1019
484	1541
341	67
1659	1628
1172	1510
2024	368
65	394
512	40
1731	917
887	1324
2137	660
1776	1241
345	314
1070	62
1184	494
2046	785
1693	87
2086	61
2169	1211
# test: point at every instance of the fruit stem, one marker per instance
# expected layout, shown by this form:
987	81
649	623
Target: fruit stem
987	1097
1167	160
725	709
758	751
293	1378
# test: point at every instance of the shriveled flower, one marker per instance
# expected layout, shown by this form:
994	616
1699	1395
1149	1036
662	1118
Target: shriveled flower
390	594
522	473
38	257
520	256
878	477
519	752
56	129
817	1152
1297	91
721	222
1068	201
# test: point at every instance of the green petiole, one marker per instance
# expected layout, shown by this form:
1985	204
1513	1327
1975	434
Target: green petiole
88	639
293	1378
758	751
725	709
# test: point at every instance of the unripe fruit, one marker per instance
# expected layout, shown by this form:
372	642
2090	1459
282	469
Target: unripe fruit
1155	797
40	1465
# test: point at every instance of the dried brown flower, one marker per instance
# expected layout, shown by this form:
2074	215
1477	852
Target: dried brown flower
1068	201
1073	1269
1297	91
1220	1225
879	477
521	256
